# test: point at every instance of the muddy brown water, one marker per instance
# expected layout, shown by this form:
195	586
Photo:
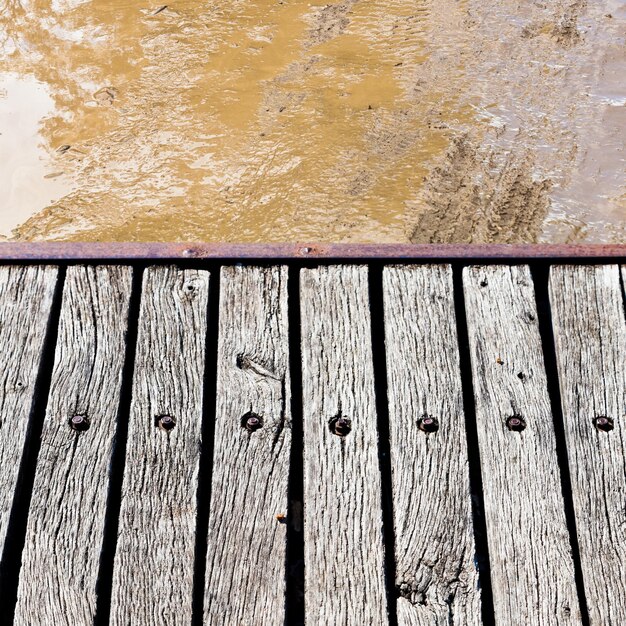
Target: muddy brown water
360	121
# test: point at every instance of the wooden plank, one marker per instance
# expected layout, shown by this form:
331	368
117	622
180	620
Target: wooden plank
344	553
25	300
66	521
245	571
532	572
590	341
436	576
154	562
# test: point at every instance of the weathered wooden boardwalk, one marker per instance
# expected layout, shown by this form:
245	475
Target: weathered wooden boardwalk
325	444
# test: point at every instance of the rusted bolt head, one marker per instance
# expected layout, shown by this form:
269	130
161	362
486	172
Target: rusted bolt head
340	426
166	422
516	423
428	424
251	422
603	423
79	422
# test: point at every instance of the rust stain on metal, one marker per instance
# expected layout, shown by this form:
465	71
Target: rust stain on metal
51	251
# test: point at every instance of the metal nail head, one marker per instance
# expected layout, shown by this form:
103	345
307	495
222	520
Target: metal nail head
343	426
428	424
252	422
79	422
603	423
516	423
166	422
340	426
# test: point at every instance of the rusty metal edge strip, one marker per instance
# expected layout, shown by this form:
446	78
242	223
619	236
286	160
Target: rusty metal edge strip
77	251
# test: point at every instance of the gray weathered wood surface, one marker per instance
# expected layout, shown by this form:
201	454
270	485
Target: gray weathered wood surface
435	571
25	299
590	340
245	565
154	562
344	554
66	520
532	571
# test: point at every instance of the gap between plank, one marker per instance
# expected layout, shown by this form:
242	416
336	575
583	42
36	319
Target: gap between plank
384	445
205	472
16	531
294	589
540	275
473	452
118	455
623	287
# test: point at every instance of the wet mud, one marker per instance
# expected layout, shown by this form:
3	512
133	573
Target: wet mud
473	198
360	121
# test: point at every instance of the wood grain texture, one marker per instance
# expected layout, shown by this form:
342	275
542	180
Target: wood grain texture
26	295
436	577
245	572
532	571
154	562
66	520
590	341
344	554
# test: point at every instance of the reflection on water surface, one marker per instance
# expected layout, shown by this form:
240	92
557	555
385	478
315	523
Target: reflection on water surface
360	120
27	177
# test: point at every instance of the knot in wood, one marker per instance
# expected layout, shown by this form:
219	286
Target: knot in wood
79	423
603	423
